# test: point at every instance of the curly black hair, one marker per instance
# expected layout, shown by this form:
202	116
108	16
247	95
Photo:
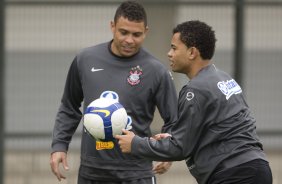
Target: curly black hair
131	10
199	35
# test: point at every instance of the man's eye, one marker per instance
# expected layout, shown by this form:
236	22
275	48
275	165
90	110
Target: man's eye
123	32
137	34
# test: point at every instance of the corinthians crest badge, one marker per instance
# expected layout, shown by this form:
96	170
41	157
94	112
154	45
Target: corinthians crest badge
134	76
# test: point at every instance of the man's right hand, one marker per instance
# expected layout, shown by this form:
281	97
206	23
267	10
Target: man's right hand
160	136
55	160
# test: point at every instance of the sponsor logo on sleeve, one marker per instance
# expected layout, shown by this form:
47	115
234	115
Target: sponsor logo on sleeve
229	88
189	96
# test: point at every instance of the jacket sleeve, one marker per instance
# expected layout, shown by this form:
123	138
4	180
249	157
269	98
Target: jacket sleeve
166	100
69	114
185	133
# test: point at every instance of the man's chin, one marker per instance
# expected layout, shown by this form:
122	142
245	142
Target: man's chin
128	54
175	70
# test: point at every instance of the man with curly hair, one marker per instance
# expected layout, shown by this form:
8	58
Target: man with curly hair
215	133
123	70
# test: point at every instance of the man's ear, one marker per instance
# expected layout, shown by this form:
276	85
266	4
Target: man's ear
146	30
193	52
112	26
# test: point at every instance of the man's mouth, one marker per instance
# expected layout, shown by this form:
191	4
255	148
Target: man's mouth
128	49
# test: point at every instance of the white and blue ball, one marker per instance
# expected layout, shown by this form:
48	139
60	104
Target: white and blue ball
104	118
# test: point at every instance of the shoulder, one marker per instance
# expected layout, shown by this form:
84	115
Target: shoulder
93	49
214	83
208	78
152	62
92	53
205	83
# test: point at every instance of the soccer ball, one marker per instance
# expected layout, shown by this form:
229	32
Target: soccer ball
104	118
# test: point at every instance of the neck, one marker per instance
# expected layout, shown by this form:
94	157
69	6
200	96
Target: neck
197	68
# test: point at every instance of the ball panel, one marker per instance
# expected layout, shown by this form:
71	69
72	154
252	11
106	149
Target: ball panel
119	120
94	124
102	102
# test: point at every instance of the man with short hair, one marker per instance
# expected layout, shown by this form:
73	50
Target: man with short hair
215	133
121	69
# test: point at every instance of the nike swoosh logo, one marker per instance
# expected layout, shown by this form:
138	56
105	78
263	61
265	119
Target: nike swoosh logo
106	112
95	70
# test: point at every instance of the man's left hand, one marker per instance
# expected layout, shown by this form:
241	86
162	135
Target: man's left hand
125	140
161	167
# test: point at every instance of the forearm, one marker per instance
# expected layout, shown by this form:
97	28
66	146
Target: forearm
161	150
65	125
